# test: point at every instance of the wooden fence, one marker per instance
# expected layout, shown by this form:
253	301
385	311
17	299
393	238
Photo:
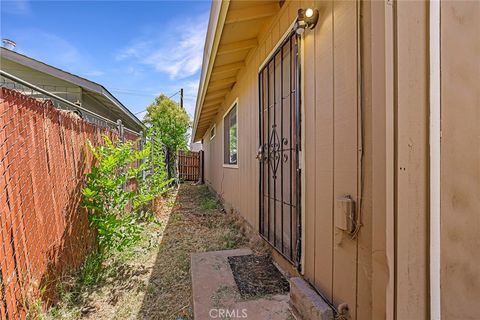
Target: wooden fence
189	166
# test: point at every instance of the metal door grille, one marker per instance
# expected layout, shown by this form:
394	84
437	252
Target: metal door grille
279	113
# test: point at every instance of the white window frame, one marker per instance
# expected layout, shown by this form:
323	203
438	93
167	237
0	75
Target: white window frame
214	128
233	166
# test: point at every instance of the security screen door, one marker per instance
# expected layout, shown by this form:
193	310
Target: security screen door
278	154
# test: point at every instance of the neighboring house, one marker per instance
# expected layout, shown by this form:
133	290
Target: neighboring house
88	94
327	143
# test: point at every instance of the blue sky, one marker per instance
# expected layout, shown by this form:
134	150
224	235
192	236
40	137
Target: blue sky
136	49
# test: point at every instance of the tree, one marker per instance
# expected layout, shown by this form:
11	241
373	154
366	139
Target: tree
169	123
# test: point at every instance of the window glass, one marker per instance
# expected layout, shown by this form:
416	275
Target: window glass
212	132
230	136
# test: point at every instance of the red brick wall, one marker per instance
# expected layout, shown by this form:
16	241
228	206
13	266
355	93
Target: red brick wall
44	232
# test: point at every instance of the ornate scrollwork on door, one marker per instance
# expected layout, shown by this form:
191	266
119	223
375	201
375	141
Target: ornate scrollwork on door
274	151
277	154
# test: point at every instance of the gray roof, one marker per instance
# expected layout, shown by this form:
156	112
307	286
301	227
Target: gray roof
91	88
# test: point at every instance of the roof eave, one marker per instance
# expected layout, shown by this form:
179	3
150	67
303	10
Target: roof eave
114	100
69	77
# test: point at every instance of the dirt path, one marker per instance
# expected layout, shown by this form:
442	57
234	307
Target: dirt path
152	279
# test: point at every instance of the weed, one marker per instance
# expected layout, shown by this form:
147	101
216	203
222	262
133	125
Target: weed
151	279
91	271
232	238
32	301
209	204
35	309
170	202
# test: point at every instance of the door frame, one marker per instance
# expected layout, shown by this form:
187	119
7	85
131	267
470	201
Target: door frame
298	261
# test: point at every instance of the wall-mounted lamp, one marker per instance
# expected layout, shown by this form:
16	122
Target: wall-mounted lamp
306	18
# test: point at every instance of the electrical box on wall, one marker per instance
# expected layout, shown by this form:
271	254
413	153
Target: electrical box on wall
345	214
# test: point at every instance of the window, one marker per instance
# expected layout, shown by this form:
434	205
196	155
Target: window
230	135
212	132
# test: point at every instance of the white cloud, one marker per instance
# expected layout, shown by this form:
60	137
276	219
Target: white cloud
19	7
177	50
135	72
56	51
48	48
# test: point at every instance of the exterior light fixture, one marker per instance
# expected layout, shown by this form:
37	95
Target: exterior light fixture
306	18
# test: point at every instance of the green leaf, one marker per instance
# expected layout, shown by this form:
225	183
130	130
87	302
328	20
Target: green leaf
89	193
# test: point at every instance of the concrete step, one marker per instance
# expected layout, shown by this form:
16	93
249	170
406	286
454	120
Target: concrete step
216	295
307	303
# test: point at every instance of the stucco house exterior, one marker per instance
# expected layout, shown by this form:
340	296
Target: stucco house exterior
86	93
351	145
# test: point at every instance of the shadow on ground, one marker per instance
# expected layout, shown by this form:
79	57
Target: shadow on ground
196	224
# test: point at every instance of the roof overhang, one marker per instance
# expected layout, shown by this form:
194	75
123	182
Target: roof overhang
232	36
92	87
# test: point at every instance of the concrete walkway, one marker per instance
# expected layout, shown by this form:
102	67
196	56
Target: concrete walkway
216	296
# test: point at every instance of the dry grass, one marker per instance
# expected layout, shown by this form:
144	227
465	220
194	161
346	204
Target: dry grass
152	279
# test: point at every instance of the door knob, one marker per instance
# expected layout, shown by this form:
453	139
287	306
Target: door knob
259	155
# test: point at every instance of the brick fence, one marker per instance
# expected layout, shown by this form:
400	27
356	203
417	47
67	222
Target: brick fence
44	232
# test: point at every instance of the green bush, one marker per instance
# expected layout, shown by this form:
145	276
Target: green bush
113	210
